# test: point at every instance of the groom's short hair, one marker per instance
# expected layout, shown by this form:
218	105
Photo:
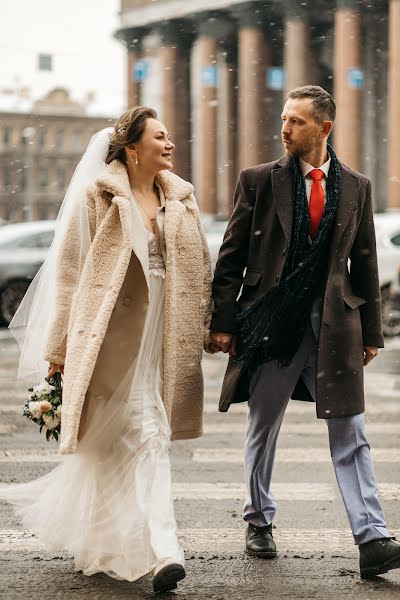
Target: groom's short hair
324	104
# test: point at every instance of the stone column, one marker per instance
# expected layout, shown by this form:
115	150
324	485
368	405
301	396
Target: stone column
174	53
206	48
299	62
347	92
253	109
394	105
226	129
133	41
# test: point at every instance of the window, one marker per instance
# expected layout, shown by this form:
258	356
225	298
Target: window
7	182
43	178
42	137
60	179
45	62
76	141
6	135
42	239
396	239
59	139
22	180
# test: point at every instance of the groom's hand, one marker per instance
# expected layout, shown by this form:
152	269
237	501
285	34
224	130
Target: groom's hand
369	353
225	342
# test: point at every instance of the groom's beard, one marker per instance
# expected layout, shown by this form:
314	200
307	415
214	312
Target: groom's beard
302	149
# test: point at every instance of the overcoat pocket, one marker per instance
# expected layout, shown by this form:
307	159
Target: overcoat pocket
252	277
354	301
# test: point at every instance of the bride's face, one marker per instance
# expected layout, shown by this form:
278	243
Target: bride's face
154	149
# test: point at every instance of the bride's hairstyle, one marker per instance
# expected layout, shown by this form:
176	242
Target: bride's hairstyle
127	130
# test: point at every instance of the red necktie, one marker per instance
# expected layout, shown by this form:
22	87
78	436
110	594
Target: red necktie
316	201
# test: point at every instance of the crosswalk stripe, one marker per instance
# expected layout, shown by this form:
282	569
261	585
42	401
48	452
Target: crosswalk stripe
310	492
223	491
220	540
306	408
288	455
318	427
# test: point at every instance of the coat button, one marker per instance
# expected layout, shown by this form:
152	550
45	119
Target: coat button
127	301
284	252
98	288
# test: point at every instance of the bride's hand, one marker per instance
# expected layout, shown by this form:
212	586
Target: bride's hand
53	368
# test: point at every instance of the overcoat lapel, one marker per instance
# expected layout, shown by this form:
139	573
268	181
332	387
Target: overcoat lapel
347	203
282	189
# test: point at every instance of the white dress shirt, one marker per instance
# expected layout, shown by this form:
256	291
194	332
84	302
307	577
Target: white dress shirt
306	168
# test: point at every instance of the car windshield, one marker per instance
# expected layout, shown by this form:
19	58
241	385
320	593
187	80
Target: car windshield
27	240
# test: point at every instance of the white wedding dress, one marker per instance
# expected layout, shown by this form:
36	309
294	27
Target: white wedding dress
110	504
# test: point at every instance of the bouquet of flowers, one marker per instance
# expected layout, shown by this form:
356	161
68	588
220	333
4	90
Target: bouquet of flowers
44	405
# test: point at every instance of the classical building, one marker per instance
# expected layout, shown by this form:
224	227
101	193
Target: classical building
218	70
40	146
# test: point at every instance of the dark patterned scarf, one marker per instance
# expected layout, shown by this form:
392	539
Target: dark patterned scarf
273	327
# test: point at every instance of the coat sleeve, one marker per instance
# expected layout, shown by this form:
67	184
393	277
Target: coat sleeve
364	275
67	266
206	301
232	258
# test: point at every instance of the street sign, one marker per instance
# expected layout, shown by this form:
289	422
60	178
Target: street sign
275	78
355	79
209	76
141	70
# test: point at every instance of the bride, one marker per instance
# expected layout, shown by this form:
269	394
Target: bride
125	300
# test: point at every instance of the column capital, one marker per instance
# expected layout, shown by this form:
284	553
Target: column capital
248	15
179	32
217	25
132	37
295	9
349	4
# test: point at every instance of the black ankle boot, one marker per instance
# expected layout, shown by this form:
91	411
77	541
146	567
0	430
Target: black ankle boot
379	556
259	541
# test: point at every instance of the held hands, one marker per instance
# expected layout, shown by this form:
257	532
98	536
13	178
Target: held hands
225	342
53	368
369	354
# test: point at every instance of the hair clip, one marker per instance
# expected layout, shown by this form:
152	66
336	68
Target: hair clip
121	130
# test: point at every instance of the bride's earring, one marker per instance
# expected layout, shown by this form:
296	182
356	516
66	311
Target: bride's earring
136	160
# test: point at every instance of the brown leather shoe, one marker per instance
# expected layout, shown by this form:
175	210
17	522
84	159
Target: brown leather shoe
259	541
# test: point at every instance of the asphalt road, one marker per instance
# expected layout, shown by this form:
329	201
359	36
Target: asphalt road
317	558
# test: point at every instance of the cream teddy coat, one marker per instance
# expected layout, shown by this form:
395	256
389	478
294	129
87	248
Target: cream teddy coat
108	312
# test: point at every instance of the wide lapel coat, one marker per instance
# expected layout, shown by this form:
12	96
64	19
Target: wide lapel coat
107	316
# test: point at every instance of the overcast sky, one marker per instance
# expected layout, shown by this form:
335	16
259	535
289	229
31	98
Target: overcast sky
78	33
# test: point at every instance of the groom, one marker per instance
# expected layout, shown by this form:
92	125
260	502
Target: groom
307	320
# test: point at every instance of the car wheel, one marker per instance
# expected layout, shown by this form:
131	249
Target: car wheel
10	298
390	320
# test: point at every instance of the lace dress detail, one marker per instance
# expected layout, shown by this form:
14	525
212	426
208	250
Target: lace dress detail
156	261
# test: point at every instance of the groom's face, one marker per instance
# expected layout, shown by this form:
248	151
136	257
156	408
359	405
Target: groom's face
301	132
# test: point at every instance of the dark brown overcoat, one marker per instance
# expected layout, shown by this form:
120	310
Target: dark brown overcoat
257	239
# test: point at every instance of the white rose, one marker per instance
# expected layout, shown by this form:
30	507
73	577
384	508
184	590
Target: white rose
50	421
43	389
58	412
35	410
45	406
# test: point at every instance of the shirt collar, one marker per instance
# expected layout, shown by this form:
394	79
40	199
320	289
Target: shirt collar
306	168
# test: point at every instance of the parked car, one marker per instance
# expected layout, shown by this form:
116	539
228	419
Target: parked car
387	228
214	230
23	249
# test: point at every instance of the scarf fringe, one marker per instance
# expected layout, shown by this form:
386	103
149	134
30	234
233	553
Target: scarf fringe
273	327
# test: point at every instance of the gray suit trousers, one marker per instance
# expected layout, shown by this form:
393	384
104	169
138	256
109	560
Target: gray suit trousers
270	391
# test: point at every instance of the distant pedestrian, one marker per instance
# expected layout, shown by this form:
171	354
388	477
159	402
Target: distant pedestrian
126	292
306	323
